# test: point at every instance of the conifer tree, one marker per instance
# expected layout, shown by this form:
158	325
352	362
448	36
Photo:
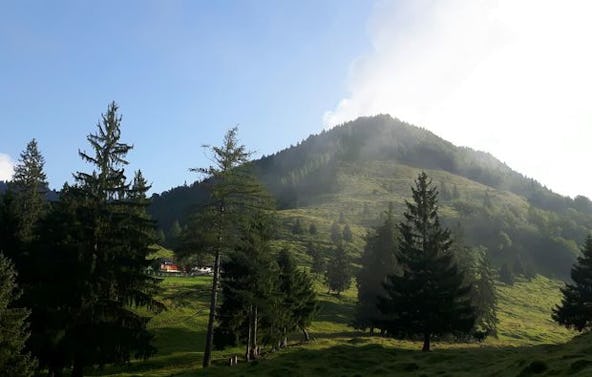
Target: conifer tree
575	310
335	233
14	360
174	235
347	233
234	192
480	275
339	273
378	261
95	243
61	284
119	236
249	280
29	185
298	295
318	265
484	299
429	297
21	208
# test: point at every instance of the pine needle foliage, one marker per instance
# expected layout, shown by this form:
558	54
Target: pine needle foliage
93	264
429	297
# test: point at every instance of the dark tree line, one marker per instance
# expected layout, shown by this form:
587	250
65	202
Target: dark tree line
81	260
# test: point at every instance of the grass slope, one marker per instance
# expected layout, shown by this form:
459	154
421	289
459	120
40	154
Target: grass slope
529	342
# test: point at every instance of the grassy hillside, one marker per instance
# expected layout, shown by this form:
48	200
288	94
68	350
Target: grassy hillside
505	223
526	335
355	170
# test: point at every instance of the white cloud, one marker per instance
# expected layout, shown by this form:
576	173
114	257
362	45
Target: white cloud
6	167
509	77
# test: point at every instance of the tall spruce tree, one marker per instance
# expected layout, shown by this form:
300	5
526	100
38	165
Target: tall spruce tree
14	360
95	245
22	207
429	297
378	261
119	236
575	310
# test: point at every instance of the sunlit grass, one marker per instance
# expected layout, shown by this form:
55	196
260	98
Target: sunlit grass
526	334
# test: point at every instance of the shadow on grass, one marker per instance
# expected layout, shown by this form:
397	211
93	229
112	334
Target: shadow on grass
170	340
362	359
337	334
357	358
177	348
178	362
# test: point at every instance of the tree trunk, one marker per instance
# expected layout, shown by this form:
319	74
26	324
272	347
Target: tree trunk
254	349
382	332
249	334
284	341
426	342
306	335
207	358
371	330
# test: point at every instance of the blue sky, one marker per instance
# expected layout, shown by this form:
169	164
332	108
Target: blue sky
508	77
182	72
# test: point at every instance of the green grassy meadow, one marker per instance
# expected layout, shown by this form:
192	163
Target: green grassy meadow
529	343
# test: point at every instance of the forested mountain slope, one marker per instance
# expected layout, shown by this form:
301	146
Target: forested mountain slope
354	170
